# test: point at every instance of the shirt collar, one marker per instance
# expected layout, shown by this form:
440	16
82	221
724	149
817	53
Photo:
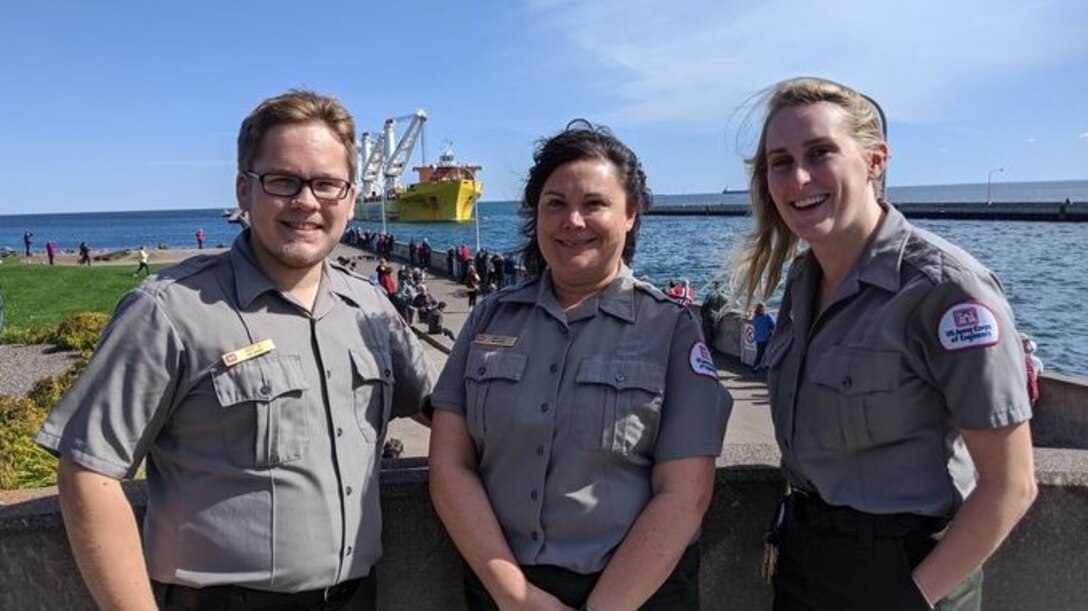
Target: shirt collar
251	281
340	283
617	299
878	266
880	261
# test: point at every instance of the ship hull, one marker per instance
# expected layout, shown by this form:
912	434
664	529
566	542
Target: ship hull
426	202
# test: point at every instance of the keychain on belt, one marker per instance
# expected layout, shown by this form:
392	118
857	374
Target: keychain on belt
770	542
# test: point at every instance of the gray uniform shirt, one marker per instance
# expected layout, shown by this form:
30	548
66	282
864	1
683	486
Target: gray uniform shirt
569	412
263	473
868	397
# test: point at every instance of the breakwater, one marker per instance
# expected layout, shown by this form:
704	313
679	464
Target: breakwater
958	211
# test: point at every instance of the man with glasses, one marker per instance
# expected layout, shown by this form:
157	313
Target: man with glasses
257	383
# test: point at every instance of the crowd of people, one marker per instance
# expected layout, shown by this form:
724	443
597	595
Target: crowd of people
480	272
577	420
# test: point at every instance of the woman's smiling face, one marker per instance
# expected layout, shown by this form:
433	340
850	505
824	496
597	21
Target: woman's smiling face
819	176
582	222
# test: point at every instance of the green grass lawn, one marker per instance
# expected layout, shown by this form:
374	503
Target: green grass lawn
43	296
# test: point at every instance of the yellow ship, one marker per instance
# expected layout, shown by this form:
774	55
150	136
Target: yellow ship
446	191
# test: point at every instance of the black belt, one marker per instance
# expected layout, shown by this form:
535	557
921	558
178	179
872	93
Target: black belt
236	597
811	511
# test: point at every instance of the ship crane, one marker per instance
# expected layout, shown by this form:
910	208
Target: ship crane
384	159
446	191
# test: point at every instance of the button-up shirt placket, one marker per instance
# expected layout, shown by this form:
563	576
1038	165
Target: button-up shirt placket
336	393
549	415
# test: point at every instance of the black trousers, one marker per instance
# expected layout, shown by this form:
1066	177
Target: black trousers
837	558
355	595
680	592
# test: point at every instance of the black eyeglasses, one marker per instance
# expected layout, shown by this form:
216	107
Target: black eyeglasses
286	185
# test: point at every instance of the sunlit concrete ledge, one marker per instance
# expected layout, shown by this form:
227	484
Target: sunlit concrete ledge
1042	566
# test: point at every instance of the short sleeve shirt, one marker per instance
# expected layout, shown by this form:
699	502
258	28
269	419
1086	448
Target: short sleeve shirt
569	412
869	396
262	464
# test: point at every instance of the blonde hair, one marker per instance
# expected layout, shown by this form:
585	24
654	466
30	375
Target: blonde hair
763	253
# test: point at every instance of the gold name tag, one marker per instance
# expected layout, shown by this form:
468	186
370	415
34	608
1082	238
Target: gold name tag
244	354
502	341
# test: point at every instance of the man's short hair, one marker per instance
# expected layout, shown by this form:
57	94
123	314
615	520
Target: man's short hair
297	106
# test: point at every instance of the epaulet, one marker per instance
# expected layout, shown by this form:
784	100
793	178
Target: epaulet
517	286
653	291
351	273
185	269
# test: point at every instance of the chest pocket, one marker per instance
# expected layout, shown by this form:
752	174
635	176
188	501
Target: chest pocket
372	390
492	379
860	387
617	406
265	417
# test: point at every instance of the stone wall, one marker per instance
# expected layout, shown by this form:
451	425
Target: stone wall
1041	566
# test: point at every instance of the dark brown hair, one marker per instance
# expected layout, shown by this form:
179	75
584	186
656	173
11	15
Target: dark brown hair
580	140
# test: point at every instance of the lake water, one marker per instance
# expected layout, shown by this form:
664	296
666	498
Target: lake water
1043	266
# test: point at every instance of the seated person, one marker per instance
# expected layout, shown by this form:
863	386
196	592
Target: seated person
423	302
435	320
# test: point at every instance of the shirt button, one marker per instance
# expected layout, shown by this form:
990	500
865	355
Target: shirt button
554	368
339	432
388	373
347	552
266	390
544	406
847	382
540	450
481	370
535	536
533	495
348	491
328	373
619	377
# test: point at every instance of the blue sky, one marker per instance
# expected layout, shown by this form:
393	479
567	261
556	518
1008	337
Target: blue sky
135	105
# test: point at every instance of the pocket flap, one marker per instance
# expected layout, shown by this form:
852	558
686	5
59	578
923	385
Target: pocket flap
490	364
261	379
851	371
622	374
368	366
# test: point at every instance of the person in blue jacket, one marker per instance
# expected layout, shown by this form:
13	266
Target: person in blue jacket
763	325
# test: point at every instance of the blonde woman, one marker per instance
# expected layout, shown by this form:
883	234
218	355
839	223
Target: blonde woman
896	379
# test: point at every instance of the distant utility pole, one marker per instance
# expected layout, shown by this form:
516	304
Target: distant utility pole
989	183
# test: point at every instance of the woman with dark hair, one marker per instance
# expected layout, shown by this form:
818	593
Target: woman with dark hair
896	381
579	415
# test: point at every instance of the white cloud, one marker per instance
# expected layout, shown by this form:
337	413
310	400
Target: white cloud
698	60
1030	140
1083	136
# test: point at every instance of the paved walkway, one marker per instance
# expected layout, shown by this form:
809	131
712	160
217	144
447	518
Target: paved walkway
750	422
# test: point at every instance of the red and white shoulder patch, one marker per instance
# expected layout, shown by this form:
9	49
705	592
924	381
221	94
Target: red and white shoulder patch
701	361
969	324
